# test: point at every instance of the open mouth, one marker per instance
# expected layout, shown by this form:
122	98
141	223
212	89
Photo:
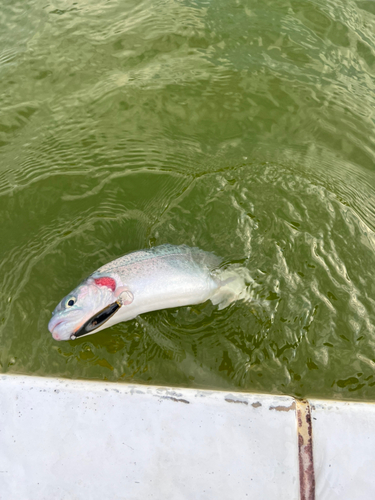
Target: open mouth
97	320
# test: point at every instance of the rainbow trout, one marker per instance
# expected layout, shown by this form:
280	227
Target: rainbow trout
139	282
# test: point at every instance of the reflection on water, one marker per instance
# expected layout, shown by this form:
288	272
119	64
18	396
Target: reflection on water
244	128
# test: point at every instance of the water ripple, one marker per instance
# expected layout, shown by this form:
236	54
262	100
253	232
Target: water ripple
243	129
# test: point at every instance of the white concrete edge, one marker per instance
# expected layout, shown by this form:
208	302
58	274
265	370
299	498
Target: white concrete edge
155	390
269	443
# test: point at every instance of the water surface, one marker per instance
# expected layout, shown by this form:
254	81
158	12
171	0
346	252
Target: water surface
246	128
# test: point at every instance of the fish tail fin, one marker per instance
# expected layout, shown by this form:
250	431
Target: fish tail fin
233	285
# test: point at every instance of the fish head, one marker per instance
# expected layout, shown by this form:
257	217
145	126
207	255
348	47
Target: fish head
86	308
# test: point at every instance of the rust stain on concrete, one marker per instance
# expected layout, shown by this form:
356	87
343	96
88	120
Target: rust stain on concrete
305	451
236	401
284	408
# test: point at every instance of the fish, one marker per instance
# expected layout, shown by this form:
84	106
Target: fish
166	276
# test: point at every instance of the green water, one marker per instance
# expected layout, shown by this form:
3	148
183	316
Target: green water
246	128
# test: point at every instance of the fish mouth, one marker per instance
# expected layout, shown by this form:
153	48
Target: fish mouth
52	329
57	324
97	320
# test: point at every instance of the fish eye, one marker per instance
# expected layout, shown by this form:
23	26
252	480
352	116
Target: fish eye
71	302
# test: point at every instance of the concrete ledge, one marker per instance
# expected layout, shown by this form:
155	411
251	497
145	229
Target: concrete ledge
63	439
344	450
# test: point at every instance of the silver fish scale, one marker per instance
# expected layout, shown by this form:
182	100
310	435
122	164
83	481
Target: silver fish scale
192	257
